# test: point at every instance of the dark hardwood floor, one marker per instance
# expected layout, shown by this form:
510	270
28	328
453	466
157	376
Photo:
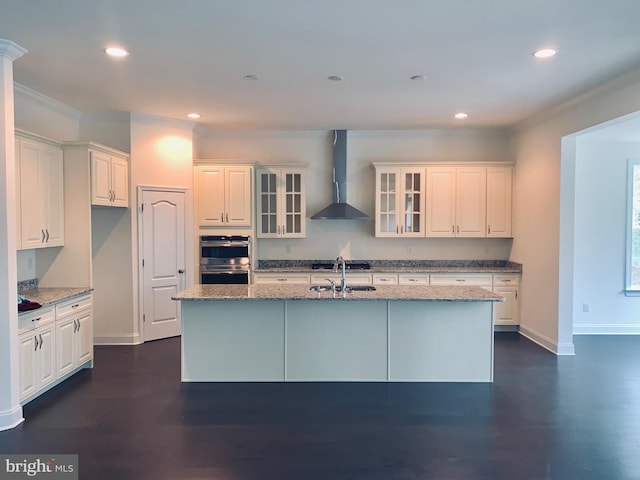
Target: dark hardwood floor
544	417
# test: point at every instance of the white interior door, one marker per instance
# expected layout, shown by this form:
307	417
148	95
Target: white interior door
162	260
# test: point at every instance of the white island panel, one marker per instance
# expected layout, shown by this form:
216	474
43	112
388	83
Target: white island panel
233	341
336	341
440	342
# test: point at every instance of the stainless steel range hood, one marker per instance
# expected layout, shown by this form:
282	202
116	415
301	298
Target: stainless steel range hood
340	209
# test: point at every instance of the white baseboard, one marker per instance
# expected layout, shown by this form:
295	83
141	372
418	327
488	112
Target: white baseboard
11	418
118	339
506	328
606	329
546	342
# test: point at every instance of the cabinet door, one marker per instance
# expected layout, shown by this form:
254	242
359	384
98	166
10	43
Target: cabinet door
499	195
471	194
100	179
27	358
293	204
46	368
65	333
267	204
53	190
412	203
441	201
387	199
119	175
209	191
238	196
506	313
84	337
33	191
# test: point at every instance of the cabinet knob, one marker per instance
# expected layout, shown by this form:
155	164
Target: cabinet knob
181	271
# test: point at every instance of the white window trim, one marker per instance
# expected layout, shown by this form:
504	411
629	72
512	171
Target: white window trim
629	290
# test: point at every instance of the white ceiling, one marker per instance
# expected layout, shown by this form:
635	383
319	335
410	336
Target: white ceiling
191	55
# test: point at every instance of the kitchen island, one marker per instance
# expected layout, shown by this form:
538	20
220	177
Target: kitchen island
281	333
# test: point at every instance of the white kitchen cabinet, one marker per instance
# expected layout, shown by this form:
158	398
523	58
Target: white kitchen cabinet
74	334
385	279
109	178
37	350
40	185
351	278
282	278
484	280
499	195
413	279
223	195
400	201
507	312
456	201
281	204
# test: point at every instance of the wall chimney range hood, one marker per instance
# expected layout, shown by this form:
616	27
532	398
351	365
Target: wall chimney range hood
340	209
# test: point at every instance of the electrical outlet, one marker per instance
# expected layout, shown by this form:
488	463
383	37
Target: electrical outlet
409	250
287	249
585	307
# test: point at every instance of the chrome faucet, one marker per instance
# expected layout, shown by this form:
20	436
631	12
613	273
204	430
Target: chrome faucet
343	283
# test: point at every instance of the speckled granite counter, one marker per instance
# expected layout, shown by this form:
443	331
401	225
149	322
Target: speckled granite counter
302	292
48	295
398	266
275	333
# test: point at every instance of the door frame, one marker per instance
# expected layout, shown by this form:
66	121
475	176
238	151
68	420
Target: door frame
188	242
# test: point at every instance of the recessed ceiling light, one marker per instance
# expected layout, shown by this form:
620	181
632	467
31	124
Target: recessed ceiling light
461	115
418	77
251	77
193	115
335	78
116	52
544	53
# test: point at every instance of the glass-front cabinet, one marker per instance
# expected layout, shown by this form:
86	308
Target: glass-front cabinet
281	202
400	201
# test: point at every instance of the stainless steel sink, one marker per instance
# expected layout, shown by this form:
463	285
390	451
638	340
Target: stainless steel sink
360	288
350	288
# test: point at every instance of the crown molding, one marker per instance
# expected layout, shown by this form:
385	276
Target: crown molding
627	79
59	107
157	120
11	50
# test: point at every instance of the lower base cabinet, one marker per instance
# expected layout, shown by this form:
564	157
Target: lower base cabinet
54	342
37	359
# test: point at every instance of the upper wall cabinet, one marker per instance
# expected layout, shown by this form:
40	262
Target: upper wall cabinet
109	178
223	195
499	197
456	201
40	191
281	202
400	201
429	200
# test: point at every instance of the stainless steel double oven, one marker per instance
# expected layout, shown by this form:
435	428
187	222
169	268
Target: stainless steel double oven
225	259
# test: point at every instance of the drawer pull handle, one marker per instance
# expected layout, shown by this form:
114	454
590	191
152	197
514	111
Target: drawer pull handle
460	280
75	306
37	319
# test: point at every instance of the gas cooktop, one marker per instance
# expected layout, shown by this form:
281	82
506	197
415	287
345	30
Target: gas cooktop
349	266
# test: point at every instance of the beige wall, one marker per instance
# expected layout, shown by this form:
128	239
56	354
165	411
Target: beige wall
161	156
355	239
543	206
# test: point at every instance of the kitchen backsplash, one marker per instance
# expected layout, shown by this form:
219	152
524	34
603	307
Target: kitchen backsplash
266	264
26	285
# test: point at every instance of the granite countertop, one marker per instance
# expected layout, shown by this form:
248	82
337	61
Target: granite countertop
391	266
302	292
50	295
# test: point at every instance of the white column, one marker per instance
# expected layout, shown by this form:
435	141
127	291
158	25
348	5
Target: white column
10	409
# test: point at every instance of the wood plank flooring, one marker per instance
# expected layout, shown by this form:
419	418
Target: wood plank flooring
544	417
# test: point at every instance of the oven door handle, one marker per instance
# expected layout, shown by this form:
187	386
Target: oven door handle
224	244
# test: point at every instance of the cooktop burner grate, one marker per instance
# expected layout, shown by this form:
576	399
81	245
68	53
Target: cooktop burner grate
349	266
